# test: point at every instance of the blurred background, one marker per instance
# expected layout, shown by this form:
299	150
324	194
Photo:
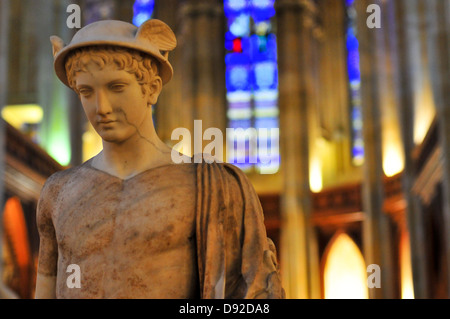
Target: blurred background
359	90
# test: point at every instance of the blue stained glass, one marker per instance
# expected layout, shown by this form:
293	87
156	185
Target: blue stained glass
240	124
239	78
251	75
354	75
141	18
264	48
349	3
353	66
353	56
262	4
262	10
358	151
266	122
234	7
142	11
237	59
262	43
237	74
352	41
229	36
229	45
239	25
265	75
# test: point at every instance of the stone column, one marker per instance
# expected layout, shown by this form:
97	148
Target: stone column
203	69
294	28
405	24
377	241
438	45
169	107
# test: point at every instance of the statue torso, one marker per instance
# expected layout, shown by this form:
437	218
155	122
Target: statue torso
131	238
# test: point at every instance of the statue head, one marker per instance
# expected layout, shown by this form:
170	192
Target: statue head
118	71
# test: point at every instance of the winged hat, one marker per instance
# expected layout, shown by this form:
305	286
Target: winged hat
153	37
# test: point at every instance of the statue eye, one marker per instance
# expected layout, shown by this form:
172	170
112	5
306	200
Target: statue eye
117	87
84	91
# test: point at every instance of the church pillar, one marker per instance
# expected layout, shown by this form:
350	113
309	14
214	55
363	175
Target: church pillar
438	39
202	64
296	88
171	111
377	241
407	59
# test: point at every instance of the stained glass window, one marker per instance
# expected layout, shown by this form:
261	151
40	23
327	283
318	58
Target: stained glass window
354	78
252	85
142	11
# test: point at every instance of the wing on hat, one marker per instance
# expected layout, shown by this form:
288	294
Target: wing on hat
57	44
158	33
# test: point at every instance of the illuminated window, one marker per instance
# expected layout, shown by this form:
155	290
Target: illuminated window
252	85
354	77
345	275
24	117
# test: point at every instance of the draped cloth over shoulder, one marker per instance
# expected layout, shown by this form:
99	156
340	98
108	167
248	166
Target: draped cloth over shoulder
235	257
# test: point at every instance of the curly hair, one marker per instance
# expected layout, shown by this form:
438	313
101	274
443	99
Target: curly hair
143	66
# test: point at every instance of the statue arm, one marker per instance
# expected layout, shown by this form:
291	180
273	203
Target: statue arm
235	257
45	287
48	248
259	270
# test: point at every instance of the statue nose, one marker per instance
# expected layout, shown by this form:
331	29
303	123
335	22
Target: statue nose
103	103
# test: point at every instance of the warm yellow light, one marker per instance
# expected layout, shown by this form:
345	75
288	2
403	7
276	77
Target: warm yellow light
406	270
345	275
393	160
315	175
92	143
17	115
424	109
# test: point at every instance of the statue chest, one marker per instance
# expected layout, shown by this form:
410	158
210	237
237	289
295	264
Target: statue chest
99	215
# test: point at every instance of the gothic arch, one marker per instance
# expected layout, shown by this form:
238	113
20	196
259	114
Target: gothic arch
343	269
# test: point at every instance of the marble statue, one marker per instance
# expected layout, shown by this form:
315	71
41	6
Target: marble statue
134	223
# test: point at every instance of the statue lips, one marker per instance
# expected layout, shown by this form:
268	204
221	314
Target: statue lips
106	122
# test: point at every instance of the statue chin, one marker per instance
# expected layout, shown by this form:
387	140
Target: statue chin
115	135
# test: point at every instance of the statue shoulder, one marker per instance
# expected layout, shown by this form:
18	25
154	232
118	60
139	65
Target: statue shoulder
234	185
56	180
53	185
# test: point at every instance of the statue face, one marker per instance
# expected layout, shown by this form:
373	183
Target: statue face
113	101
